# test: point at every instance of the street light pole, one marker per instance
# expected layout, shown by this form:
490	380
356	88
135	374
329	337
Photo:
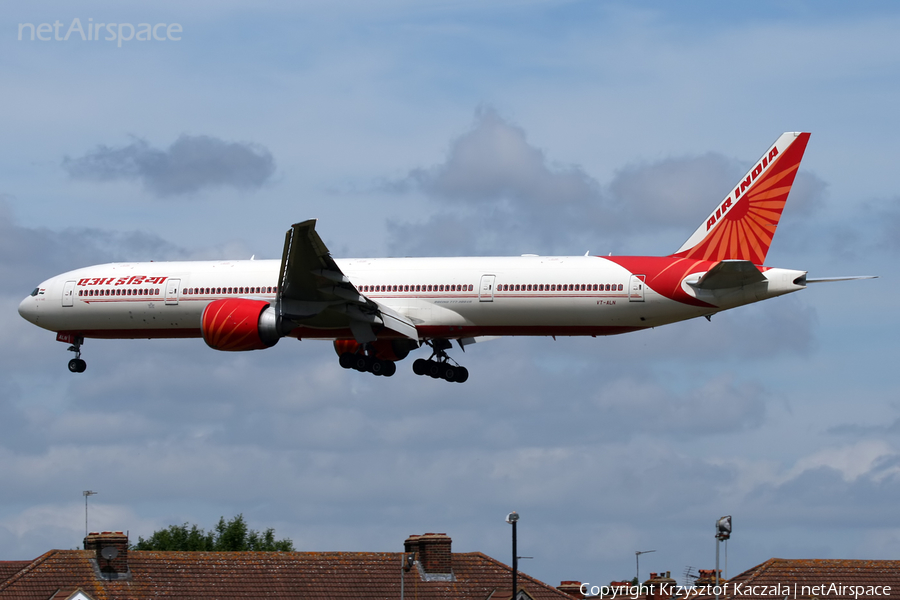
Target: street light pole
512	518
86	494
723	532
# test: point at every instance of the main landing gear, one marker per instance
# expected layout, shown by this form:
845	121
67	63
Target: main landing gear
77	364
439	366
368	363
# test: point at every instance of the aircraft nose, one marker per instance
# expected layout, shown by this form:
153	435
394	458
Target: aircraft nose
28	309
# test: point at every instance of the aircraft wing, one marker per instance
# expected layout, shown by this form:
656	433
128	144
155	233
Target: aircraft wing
314	291
729	274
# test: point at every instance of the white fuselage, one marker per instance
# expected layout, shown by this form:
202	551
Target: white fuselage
443	297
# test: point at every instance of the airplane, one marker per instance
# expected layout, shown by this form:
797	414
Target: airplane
378	310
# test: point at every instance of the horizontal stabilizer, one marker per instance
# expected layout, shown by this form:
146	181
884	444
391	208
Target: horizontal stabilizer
729	274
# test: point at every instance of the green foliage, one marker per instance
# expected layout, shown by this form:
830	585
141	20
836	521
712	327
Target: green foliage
228	536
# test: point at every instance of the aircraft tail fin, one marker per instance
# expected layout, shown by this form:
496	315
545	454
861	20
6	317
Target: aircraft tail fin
743	224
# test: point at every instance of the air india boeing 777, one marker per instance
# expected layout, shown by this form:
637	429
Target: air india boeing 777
378	310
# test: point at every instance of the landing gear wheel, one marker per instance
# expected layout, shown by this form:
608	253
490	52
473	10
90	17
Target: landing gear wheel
439	365
420	366
434	369
448	373
77	365
390	367
361	363
377	367
347	359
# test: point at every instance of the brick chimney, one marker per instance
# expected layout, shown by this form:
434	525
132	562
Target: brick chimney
432	551
661	585
708	577
572	588
110	550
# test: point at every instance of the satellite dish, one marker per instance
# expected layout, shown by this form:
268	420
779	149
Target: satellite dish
109	553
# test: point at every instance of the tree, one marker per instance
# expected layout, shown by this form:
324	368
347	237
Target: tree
228	536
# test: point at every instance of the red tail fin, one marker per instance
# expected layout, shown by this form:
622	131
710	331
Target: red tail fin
742	226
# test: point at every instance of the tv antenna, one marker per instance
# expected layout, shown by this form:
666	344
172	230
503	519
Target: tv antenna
87	494
637	562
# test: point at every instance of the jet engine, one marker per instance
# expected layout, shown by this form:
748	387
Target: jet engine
238	324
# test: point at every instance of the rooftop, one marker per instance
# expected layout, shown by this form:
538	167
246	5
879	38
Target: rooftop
59	574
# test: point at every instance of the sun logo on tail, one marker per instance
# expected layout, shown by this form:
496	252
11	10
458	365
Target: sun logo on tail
743	225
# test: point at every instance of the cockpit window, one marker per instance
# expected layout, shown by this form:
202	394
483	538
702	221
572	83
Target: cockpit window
35	292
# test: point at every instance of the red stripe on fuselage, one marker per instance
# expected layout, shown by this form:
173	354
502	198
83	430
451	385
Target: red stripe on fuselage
665	274
426	332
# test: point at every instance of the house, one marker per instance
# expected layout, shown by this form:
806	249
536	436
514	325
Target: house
810	579
775	579
426	569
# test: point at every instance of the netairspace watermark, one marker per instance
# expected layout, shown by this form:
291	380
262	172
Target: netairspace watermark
92	32
736	590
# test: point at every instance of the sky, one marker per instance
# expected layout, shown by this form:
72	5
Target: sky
458	128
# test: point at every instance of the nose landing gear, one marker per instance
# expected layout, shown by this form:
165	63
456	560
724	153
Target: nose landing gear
77	364
439	365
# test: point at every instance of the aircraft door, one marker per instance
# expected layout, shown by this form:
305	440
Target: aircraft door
68	297
636	288
486	289
172	286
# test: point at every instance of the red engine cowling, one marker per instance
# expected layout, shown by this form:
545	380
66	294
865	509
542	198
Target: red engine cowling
384	349
237	324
